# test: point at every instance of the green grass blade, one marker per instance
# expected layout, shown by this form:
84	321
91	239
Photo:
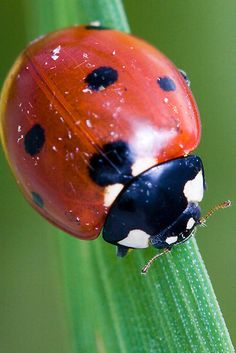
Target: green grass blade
172	309
43	16
111	307
109	13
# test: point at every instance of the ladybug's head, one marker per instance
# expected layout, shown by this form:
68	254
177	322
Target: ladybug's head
158	207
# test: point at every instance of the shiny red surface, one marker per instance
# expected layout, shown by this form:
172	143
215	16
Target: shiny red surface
49	89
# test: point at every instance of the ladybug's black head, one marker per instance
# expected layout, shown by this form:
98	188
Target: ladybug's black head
158	207
180	230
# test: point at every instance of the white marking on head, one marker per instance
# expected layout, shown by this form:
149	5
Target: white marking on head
137	239
142	164
111	192
190	223
193	189
171	240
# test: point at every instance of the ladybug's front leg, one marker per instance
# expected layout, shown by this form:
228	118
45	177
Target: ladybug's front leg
121	250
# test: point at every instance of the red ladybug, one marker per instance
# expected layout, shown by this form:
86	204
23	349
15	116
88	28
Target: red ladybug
97	126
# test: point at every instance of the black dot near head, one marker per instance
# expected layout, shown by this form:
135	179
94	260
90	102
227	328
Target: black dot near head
98	27
101	78
37	199
166	83
112	165
185	76
34	140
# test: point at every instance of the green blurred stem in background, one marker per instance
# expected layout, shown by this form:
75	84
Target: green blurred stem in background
111	308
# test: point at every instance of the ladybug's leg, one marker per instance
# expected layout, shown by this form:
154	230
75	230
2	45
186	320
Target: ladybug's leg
121	250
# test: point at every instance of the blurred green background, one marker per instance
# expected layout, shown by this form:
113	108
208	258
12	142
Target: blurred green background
200	37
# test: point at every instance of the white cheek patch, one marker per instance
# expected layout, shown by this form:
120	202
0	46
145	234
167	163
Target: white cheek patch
111	192
171	240
137	239
193	189
190	223
142	164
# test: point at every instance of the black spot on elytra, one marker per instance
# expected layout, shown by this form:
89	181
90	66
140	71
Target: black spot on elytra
34	140
99	27
112	165
37	199
166	83
101	77
185	76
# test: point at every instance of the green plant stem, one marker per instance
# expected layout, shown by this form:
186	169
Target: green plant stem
43	16
111	307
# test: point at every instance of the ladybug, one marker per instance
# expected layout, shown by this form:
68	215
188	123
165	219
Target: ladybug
97	126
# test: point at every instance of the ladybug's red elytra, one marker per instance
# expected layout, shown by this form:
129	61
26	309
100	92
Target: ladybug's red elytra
97	126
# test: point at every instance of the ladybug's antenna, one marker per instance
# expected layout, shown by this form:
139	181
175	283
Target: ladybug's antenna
154	258
221	205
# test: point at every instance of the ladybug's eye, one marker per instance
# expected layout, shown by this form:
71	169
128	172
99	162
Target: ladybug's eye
185	76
